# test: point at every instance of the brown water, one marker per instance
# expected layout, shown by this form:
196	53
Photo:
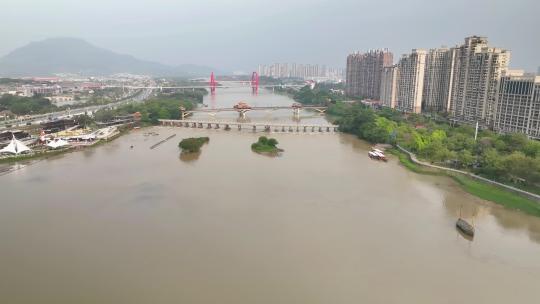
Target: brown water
321	224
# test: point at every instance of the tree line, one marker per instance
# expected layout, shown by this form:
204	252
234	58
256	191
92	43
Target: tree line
161	107
19	105
510	158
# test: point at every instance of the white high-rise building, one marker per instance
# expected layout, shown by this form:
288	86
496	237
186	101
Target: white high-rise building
518	104
389	80
477	71
410	85
438	80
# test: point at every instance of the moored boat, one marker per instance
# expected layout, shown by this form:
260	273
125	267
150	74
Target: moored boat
465	227
377	154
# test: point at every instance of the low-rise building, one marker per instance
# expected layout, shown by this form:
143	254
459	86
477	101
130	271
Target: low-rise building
60	98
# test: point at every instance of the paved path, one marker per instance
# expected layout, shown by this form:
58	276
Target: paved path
413	157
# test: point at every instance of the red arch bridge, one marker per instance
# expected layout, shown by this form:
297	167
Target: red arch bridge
212	84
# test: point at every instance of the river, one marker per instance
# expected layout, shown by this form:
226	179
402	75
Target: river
320	224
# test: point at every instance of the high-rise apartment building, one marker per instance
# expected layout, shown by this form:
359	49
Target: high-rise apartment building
410	85
438	80
518	105
389	80
476	75
363	76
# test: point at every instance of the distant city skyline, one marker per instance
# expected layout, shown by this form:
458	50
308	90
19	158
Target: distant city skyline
240	34
301	70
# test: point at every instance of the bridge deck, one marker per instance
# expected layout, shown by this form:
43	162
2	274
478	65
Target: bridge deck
257	109
249	124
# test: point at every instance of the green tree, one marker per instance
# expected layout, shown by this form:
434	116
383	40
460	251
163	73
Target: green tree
492	164
84	120
465	158
272	142
519	165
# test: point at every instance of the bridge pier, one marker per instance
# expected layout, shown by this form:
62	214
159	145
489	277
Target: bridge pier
320	129
305	129
227	127
283	129
239	127
312	129
242	113
200	125
296	113
290	129
194	125
254	128
186	124
297	129
217	126
209	126
267	128
327	129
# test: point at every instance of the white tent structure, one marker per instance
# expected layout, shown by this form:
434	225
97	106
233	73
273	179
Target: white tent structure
57	143
15	147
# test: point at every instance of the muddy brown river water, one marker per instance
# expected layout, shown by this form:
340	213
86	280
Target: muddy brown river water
321	224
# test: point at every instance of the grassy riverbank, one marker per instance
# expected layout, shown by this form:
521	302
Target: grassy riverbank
511	159
477	188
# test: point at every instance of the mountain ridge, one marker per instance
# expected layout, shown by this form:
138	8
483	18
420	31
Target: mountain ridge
77	56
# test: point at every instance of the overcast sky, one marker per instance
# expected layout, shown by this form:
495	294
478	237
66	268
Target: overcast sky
239	34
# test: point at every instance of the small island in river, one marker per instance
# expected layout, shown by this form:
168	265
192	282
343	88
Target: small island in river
266	146
192	144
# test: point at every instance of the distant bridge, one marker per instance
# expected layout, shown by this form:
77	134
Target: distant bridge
242	111
193	87
212	84
254	126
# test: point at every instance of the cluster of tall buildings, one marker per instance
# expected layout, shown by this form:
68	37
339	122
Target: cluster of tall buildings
304	71
471	82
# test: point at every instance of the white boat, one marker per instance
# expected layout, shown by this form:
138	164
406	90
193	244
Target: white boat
377	154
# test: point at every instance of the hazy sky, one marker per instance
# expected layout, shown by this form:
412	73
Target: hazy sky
239	34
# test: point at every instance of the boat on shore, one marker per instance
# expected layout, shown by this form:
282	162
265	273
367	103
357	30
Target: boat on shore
465	227
377	154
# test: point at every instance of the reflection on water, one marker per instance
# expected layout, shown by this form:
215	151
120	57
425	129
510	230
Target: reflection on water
321	224
465	236
190	157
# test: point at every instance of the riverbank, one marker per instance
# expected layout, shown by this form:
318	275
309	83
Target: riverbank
480	189
51	153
